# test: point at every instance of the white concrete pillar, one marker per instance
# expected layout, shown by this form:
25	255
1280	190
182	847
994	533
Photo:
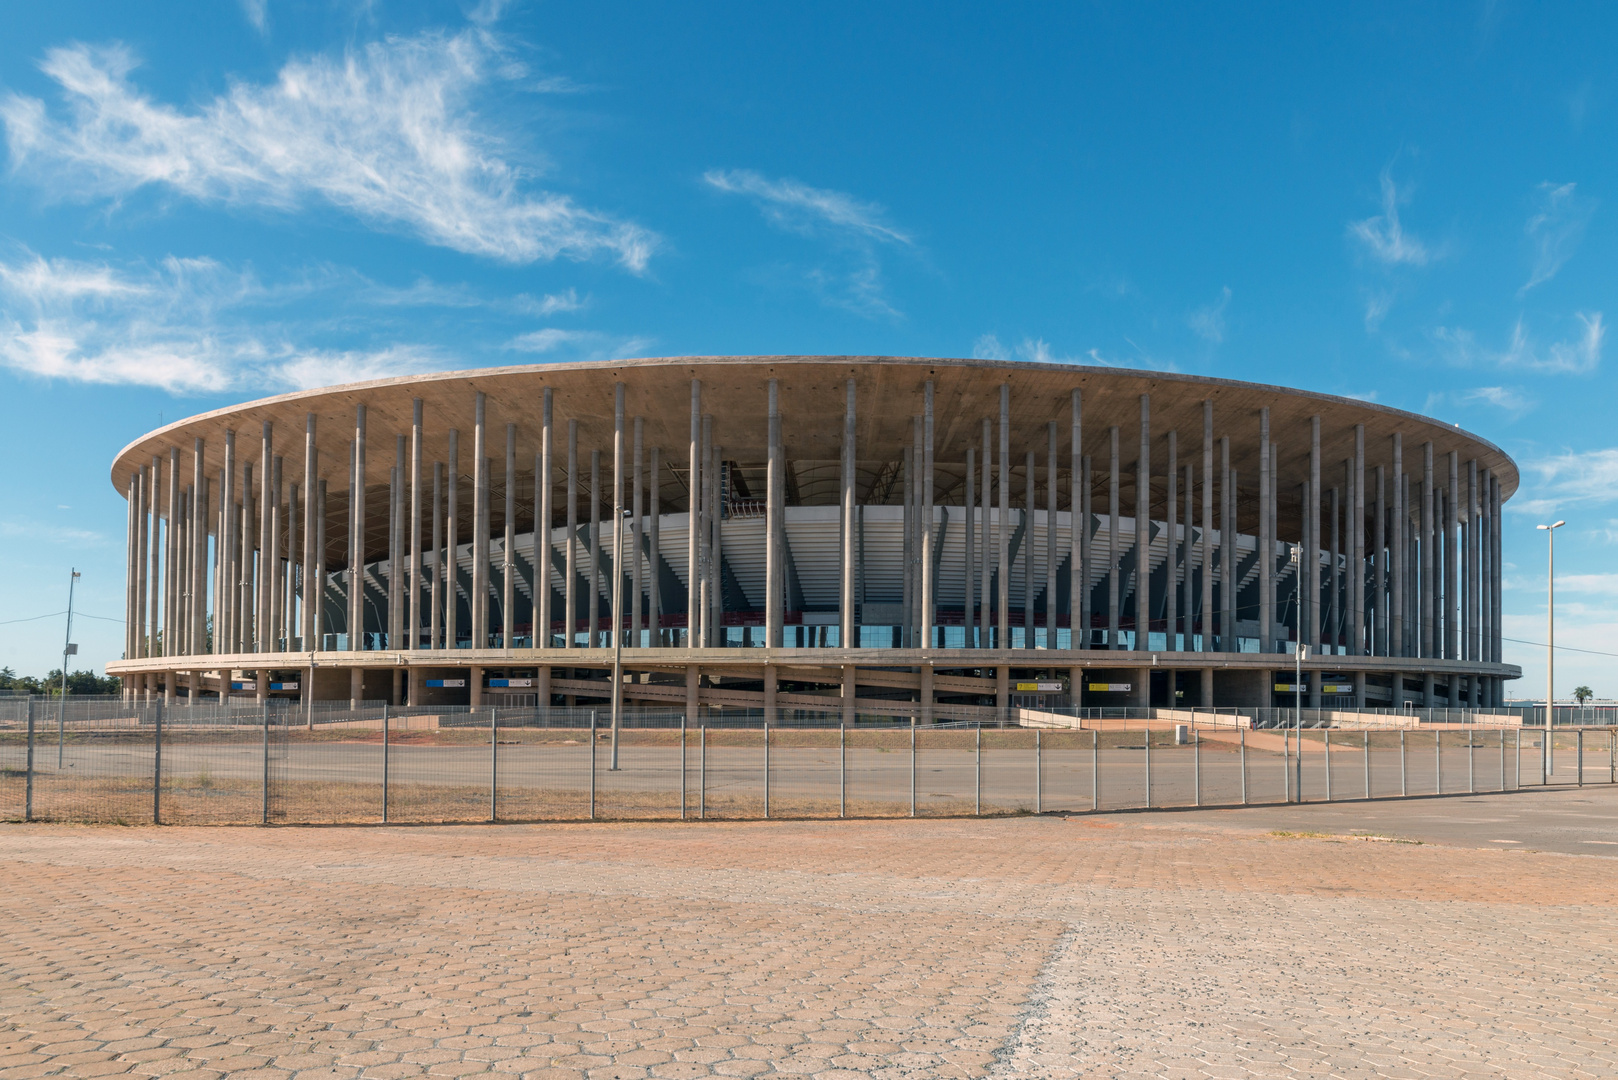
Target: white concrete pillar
774	505
848	632
1171	579
693	577
452	542
928	570
1115	562
1002	638
850	688
1143	529
1078	607
544	481
508	547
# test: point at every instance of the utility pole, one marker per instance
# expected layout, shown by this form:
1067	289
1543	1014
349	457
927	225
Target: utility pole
68	649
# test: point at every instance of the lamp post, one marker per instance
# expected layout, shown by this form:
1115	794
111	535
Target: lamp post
68	649
1297	714
1546	761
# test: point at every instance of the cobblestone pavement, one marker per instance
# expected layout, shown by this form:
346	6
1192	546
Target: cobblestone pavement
1164	945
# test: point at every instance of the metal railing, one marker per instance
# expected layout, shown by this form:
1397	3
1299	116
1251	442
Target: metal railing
241	761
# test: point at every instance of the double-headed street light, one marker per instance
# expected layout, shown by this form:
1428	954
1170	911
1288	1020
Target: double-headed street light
1546	761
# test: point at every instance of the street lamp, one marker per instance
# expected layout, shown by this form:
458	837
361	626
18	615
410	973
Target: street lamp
1546	761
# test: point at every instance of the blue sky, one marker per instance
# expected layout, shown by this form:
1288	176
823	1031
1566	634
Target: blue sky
205	204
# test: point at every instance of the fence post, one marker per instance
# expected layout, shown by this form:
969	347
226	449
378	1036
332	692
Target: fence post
1325	734
1502	759
842	771
1517	782
766	769
1612	755
28	794
157	765
1578	748
1039	773
494	760
977	773
1095	769
1438	762
385	763
912	766
1196	766
264	813
1286	765
592	764
1471	762
1366	737
1148	747
1404	786
1241	740
702	774
682	766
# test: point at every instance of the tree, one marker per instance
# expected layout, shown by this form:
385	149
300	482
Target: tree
1583	694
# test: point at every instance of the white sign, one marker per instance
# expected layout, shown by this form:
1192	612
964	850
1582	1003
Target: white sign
1110	687
1039	688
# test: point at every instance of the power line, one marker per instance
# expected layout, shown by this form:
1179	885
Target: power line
103	618
36	618
1560	648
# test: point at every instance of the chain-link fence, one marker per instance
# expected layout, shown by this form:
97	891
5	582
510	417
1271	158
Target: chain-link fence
242	761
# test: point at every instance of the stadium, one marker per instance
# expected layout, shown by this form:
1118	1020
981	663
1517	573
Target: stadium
857	536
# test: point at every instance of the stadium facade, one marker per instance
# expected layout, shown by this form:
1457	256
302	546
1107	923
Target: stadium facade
858	534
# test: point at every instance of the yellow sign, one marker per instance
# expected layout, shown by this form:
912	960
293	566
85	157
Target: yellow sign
1039	688
1337	688
1110	687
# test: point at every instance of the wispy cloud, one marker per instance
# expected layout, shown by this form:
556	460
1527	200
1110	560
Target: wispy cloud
1039	351
180	326
1509	400
1555	229
579	344
387	133
1576	356
1555	483
257	13
858	228
1377	305
1384	237
56	535
1208	321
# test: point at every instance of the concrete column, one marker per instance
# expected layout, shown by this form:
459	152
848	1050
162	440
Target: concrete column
480	524
705	522
850	687
1050	535
929	572
716	554
1494	575
1266	537
655	614
570	599
1401	519
474	683
544	483
413	620
969	569
593	554
508	549
1485	575
154	592
1188	588
395	624
1312	548
1452	562
1002	637
312	591
246	635
542	686
907	555
275	567
1115	562
1078	534
987	531
264	593
1429	691
617	588
1469	624
131	572
693	683
1428	597
452	542
1143	529
771	678
848	633
224	550
320	566
1229	552
926	693
637	525
1002	688
171	553
1379	566
143	638
1207	607
356	537
1205	693
1028	613
1334	591
1359	690
1171	578
693	523
1142	694
1356	547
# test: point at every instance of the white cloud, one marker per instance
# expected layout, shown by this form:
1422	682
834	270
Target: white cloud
1577	356
1208	321
386	133
1569	479
801	208
1555	230
1384	237
1509	399
551	303
988	347
579	344
257	13
177	327
847	223
55	535
1376	309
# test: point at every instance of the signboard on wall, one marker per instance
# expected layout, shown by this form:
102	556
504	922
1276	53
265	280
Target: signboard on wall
511	682
1111	687
1337	688
1049	687
446	683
